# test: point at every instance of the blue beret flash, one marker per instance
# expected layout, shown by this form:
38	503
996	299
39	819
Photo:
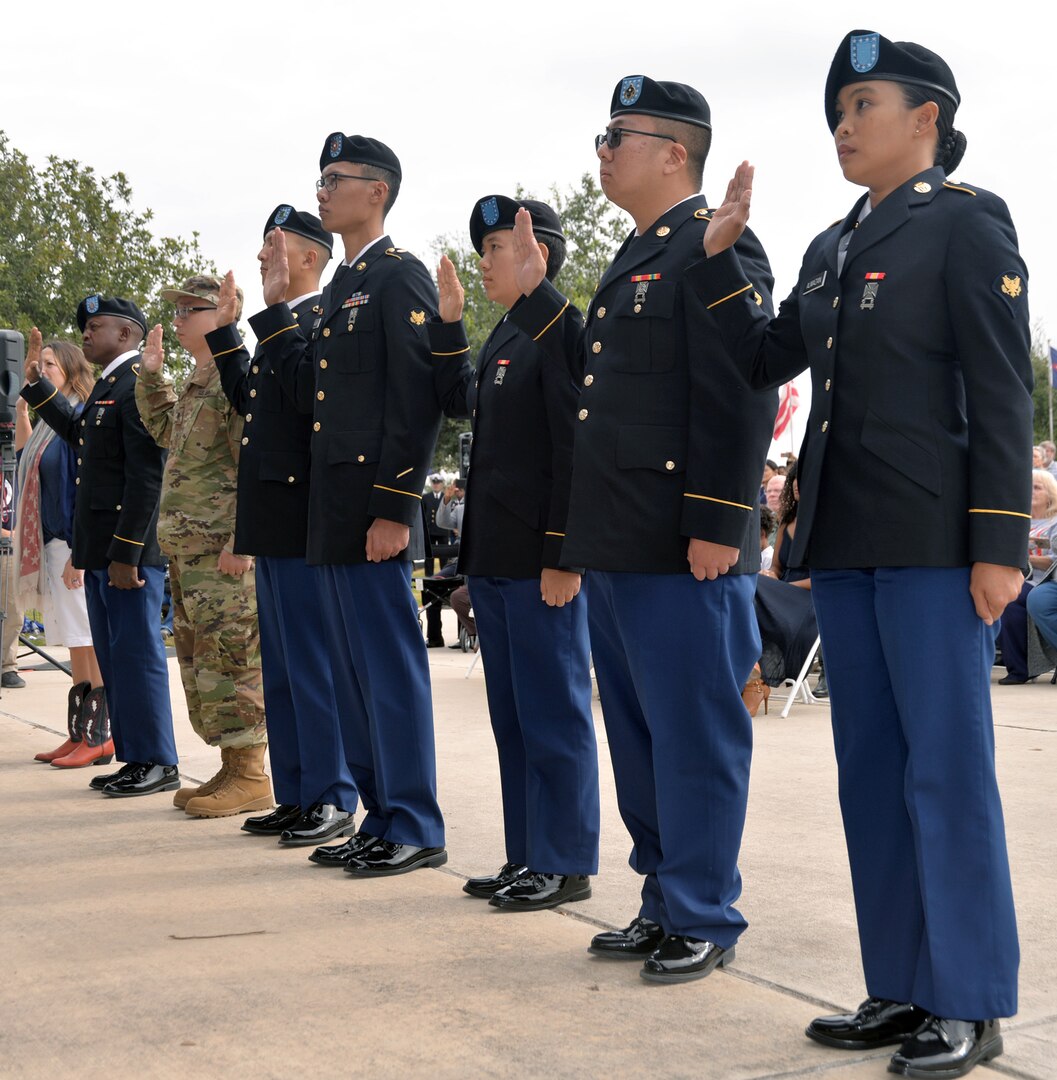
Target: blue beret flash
91	305
490	211
282	215
865	48
335	145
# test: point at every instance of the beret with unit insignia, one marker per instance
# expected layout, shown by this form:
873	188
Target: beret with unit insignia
866	56
495	212
639	94
359	150
102	305
298	221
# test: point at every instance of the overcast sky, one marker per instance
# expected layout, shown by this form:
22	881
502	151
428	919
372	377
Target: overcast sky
216	113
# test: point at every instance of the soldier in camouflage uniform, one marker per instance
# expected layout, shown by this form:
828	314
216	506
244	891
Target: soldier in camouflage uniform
213	592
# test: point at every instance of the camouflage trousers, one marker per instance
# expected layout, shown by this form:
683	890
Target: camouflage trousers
219	650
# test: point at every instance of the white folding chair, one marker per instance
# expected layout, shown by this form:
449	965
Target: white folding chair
800	685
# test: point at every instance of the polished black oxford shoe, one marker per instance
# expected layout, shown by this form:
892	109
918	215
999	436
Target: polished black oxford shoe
284	816
486	887
145	779
339	854
679	959
877	1022
97	783
947	1048
634	942
319	822
384	858
534	891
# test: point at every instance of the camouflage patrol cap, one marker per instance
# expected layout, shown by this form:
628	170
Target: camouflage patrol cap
200	287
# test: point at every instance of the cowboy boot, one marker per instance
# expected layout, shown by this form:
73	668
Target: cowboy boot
186	794
74	723
97	745
245	787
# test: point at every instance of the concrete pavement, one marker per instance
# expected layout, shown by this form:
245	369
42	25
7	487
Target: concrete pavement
137	941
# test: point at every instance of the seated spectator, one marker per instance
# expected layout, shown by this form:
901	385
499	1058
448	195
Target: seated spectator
1049	452
770	469
460	604
783	542
768	527
1013	631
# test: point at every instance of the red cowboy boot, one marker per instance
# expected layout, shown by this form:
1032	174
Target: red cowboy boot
74	723
97	747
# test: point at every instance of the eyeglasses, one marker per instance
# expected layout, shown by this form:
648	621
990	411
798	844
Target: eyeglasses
330	181
183	312
612	136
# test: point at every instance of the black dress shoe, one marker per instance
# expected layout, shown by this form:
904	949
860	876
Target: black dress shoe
439	644
97	783
634	942
486	887
339	854
947	1048
534	891
145	779
319	822
877	1022
284	816
385	858
1013	680
680	959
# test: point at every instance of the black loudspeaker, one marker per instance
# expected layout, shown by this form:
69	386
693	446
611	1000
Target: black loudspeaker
12	361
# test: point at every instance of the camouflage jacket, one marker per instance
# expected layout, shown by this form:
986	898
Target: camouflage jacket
203	434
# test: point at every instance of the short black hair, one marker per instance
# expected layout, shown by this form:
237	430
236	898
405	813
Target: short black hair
376	172
697	140
556	249
950	143
768	521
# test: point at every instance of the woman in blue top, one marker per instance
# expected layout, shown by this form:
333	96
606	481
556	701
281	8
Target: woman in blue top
912	315
47	471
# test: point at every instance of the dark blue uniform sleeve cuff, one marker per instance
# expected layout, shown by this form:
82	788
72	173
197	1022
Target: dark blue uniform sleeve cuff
224	341
719	280
540	312
272	321
447	340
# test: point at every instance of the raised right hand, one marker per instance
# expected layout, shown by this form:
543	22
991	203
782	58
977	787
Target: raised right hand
229	301
529	263
153	355
277	275
32	368
729	221
452	294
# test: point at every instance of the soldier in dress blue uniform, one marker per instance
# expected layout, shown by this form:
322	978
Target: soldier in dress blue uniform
912	314
313	786
114	541
664	513
368	379
530	612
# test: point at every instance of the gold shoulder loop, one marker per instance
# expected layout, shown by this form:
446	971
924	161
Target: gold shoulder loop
393	252
832	223
135	368
958	187
703	214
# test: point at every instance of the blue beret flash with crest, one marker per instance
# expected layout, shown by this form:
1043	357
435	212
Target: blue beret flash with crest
282	215
631	90
91	305
335	146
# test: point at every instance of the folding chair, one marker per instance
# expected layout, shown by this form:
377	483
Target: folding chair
800	685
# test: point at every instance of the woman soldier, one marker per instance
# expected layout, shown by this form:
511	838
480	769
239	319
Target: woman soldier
531	615
912	315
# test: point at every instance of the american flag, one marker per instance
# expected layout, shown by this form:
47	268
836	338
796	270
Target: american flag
787	405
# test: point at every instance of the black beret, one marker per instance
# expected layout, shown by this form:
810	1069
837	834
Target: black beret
297	221
865	56
498	212
668	100
360	150
101	305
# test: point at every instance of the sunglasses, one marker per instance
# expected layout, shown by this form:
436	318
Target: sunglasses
611	137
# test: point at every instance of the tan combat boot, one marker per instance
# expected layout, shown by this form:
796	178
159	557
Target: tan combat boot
186	794
245	787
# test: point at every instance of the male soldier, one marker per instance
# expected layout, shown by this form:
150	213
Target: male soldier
374	427
114	541
313	786
213	596
669	450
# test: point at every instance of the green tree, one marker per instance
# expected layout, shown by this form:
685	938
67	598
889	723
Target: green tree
66	232
594	229
1040	362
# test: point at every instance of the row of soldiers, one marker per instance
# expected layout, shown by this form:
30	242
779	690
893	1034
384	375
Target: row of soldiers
627	441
